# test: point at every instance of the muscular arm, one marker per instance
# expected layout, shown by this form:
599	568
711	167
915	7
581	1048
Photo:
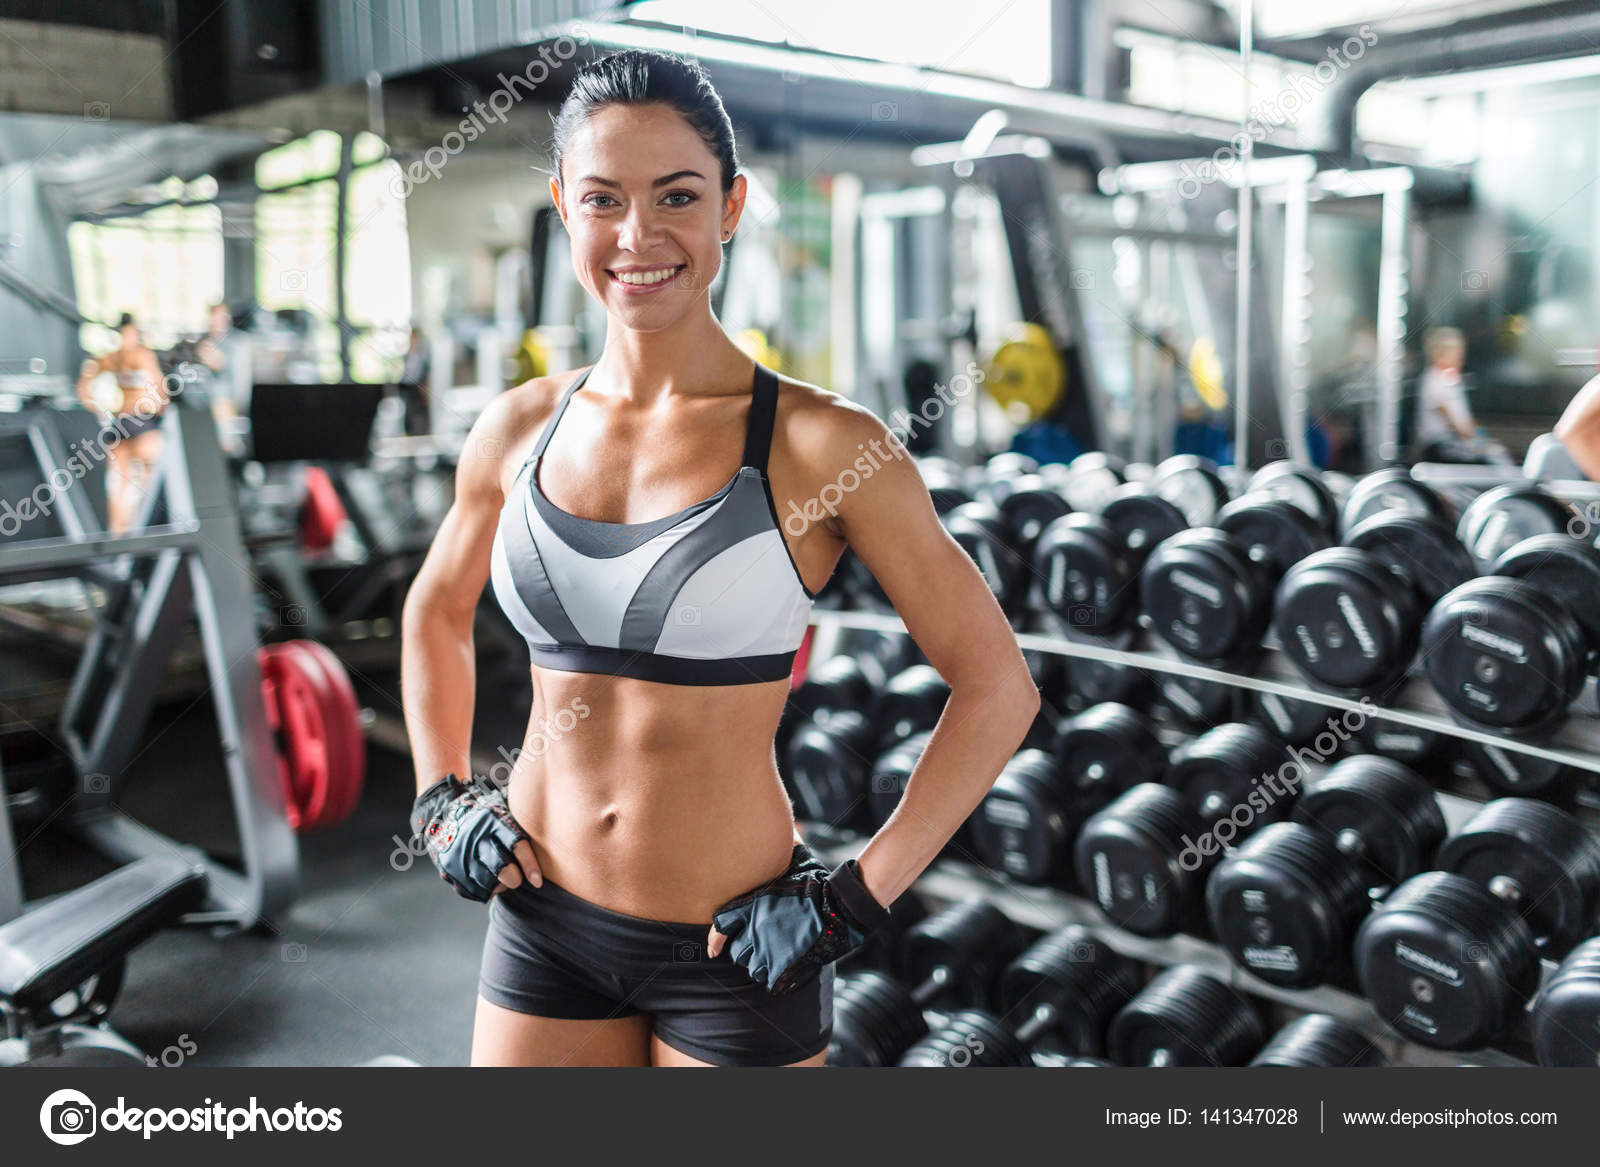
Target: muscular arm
950	612
437	675
1579	429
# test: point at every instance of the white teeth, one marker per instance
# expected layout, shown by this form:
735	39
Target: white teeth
645	277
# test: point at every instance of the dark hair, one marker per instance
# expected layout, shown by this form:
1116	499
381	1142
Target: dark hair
640	77
127	319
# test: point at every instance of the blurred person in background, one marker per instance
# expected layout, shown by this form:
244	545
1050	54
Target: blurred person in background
125	387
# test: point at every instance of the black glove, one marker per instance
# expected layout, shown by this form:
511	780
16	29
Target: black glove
469	833
786	931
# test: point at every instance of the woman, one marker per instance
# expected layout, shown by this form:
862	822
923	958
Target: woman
645	805
135	419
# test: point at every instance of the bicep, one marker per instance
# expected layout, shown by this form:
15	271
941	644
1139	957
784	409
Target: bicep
947	607
457	565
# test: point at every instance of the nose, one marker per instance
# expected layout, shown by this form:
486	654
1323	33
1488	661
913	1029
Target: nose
639	230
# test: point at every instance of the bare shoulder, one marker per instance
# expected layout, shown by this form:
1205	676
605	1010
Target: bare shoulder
820	429
502	436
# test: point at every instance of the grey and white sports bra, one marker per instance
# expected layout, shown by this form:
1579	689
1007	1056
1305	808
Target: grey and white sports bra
709	595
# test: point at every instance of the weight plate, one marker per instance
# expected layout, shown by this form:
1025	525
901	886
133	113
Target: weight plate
984	536
1233	771
1294	721
1419	549
1193	703
1319	1040
1193	485
889	776
1346	622
1095	475
1010	464
1070	984
828	766
910	703
1502	654
1513	773
1273	532
1499	519
1024	825
1301	485
1105	750
1185	1017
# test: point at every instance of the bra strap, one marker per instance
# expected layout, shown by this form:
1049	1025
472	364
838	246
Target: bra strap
763	412
561	407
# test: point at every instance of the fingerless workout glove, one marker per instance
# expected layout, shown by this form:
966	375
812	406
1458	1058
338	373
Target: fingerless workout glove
469	832
786	931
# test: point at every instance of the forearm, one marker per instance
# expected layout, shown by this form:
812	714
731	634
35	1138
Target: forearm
438	689
976	736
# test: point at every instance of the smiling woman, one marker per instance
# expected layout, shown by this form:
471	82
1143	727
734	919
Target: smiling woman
649	901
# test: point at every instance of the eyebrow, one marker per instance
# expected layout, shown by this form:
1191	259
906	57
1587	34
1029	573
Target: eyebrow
664	180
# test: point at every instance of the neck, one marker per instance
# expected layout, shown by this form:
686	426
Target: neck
683	359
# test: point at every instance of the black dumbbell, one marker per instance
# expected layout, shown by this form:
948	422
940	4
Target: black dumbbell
830	758
969	1037
1451	957
1140	859
1070	985
1319	1040
1347	622
1508	654
1032	505
1287	903
1392	490
1566	1017
1500	518
1203	593
1304	486
880	948
1406	744
1185	1017
1192	484
1091	477
988	540
1420	549
910	703
1091	681
1230	767
874	1020
1027	822
955	956
1087	565
1518	775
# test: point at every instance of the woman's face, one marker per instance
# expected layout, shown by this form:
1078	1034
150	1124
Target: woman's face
641	197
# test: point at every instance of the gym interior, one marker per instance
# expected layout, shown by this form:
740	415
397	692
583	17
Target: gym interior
1244	346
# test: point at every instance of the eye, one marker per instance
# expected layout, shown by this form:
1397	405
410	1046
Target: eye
687	197
594	200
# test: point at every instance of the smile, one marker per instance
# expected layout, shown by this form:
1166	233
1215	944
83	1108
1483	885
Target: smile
645	279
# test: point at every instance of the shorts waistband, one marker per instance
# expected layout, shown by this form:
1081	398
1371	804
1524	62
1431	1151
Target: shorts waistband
558	895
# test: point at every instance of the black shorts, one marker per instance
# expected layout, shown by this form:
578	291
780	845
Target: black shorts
552	954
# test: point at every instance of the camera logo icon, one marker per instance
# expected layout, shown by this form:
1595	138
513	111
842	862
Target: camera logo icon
67	1117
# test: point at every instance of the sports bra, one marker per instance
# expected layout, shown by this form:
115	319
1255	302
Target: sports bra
709	595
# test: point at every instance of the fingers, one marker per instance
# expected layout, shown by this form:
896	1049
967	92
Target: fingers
530	865
510	877
714	943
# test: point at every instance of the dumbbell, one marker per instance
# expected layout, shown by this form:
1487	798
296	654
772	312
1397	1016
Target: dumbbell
1451	957
1319	1040
1392	490
1223	770
955	956
983	533
1087	565
1500	518
1349	617
1509	651
1091	681
1193	485
1406	744
1516	774
1303	486
830	758
910	703
969	1037
1286	903
1091	478
1566	1017
1032	505
1069	986
1208	591
880	948
1027	821
1185	1017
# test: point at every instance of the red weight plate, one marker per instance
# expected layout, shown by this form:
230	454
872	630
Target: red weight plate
343	718
321	512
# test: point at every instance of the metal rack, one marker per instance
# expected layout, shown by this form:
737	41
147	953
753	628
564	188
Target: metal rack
1577	744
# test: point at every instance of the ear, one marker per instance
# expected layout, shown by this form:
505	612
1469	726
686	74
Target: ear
555	198
733	204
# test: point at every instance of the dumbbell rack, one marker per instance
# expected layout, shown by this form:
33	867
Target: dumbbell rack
1577	745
